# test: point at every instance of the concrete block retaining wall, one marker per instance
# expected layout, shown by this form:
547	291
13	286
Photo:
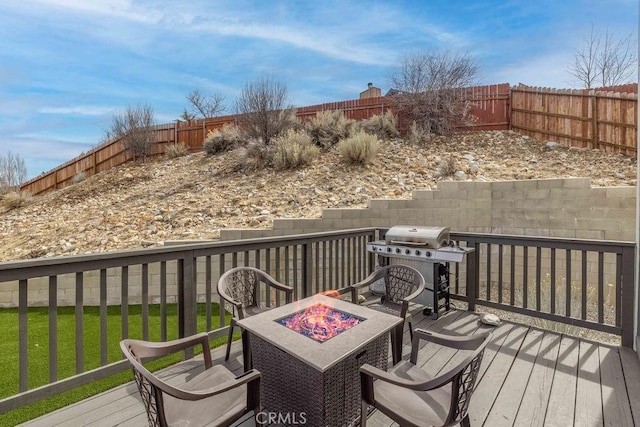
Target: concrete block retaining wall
564	207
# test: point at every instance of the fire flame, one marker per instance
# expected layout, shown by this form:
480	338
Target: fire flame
320	322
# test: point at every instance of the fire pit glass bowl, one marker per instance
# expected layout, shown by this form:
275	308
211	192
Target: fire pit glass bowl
320	322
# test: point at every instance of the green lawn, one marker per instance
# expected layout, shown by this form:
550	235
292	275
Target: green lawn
38	344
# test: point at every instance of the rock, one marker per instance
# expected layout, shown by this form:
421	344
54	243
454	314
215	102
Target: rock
172	200
552	145
460	176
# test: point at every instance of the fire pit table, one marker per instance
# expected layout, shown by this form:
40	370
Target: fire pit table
309	353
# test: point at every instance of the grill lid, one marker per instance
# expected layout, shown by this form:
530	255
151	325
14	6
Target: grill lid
425	236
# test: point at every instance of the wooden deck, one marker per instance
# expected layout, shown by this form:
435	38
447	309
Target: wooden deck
528	377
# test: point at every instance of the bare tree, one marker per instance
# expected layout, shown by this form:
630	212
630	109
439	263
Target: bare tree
263	109
135	128
604	60
428	94
205	105
13	172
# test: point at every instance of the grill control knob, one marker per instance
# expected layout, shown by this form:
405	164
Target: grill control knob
417	252
428	254
389	249
407	251
398	250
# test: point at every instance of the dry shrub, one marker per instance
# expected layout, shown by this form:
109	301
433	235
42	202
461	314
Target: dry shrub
255	155
293	150
359	149
15	199
221	140
329	127
384	127
79	177
447	168
176	150
418	135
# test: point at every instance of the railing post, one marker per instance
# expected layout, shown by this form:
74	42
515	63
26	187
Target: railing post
187	296
627	288
473	276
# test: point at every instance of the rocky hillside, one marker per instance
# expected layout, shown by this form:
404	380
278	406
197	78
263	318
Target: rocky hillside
193	197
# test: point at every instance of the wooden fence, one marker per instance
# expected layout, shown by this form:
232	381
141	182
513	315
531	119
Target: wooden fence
489	104
586	118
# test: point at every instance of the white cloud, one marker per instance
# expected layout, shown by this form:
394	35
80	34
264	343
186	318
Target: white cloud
81	110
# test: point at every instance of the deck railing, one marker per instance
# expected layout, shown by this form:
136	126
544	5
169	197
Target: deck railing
578	282
584	283
310	263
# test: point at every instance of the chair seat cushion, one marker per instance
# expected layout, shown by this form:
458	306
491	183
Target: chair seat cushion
432	406
214	410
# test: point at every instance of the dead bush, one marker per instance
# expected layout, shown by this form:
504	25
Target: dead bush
15	199
447	168
221	140
384	126
418	135
255	155
329	127
359	149
293	150
79	177
176	150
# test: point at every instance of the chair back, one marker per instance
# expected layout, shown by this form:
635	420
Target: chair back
241	285
151	395
464	384
400	281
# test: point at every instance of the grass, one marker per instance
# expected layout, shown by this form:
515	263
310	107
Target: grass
38	350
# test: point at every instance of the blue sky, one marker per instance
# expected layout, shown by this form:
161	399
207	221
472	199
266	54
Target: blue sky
66	66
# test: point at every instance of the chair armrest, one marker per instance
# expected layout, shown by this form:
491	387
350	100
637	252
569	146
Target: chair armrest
372	372
367	281
229	299
179	393
159	349
464	342
280	286
415	294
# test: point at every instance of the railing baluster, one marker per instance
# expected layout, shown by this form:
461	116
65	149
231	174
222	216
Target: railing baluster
512	287
500	275
584	285
103	317
525	276
568	285
553	280
124	301
317	287
207	290
145	301
53	329
79	321
163	301
538	279
489	272
600	287
23	336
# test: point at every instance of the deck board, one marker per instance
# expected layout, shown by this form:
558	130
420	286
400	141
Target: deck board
562	399
528	376
514	385
536	396
588	394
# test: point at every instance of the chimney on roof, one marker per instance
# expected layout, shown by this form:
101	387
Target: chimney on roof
371	92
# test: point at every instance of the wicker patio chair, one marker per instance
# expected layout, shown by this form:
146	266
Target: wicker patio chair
213	397
402	284
412	398
240	287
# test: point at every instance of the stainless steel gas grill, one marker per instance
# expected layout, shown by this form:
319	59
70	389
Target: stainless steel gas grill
429	250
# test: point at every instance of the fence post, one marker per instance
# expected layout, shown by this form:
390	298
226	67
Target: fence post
594	120
627	285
